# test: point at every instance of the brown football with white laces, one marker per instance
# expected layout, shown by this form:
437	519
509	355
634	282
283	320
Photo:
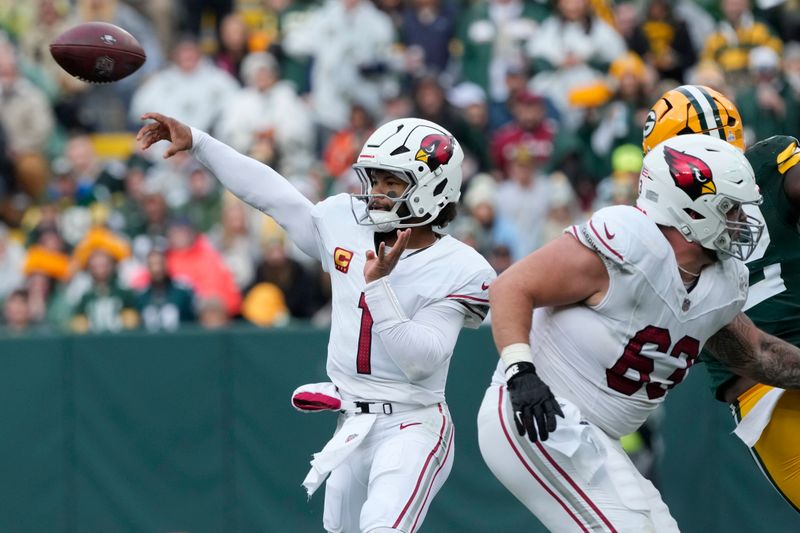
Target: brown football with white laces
98	52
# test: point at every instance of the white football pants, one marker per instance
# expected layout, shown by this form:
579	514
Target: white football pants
390	480
578	480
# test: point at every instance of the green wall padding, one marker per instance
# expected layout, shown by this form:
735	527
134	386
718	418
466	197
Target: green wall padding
193	431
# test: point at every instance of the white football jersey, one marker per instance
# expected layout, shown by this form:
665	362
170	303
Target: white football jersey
357	360
617	360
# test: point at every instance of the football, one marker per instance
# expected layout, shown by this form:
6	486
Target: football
97	52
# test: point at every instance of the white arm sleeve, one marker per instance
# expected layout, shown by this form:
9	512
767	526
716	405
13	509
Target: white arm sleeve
418	345
258	185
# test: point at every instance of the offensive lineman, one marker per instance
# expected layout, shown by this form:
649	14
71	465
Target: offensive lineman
767	417
623	305
400	298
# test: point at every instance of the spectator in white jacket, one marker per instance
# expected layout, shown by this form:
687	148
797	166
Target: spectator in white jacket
192	88
267	120
572	47
349	66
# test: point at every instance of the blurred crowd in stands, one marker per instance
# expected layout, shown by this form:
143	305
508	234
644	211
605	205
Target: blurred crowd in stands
548	98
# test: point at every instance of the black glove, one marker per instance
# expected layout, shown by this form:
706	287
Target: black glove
532	401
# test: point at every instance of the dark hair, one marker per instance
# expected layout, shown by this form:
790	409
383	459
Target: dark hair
446	215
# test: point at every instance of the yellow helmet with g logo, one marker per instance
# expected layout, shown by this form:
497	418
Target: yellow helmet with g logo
693	109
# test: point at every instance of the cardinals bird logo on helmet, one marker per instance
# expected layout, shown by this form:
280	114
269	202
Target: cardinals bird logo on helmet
690	173
435	150
701	185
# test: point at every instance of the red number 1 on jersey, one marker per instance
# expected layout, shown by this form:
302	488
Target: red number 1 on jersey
363	365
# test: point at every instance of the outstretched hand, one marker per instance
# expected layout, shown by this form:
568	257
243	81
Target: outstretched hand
165	129
381	264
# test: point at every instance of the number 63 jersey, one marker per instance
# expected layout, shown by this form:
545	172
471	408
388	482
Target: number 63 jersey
618	359
448	273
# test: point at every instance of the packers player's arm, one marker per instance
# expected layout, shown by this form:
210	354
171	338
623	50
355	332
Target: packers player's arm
750	352
252	181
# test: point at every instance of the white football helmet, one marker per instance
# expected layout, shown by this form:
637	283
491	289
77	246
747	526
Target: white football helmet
698	184
423	154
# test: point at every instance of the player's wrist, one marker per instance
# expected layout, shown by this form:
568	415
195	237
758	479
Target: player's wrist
517	359
196	138
516	353
519	369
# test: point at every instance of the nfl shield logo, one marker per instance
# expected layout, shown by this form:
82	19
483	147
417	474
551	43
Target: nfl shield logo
686	304
350	437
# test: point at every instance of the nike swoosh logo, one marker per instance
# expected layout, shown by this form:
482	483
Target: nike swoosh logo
608	235
404	426
484	286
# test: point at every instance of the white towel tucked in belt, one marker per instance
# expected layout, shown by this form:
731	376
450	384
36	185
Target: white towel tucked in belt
346	440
